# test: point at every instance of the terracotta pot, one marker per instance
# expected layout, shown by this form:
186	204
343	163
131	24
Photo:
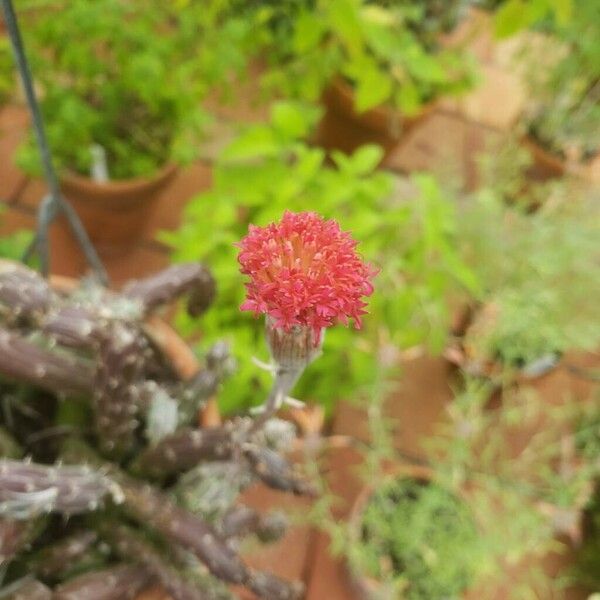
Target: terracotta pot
342	128
547	165
115	213
365	587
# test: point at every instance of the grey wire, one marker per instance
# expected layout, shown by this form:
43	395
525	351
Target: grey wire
53	203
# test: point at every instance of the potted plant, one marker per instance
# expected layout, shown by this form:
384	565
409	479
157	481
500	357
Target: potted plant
379	65
120	117
536	284
487	514
564	116
404	536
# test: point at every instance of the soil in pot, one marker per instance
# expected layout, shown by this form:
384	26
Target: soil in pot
412	538
115	213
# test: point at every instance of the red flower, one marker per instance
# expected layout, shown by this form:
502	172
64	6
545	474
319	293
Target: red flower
304	271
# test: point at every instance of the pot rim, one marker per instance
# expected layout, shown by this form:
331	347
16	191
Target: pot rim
340	95
71	179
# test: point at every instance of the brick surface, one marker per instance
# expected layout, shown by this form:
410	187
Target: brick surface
286	558
414	408
446	145
498	100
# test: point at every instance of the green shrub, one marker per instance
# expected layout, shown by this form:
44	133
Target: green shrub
389	51
538	274
417	539
565	114
130	77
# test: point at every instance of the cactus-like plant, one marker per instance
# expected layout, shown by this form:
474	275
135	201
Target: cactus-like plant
121	452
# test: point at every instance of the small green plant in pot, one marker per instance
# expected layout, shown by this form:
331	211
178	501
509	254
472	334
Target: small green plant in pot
564	117
121	115
407	533
380	64
538	282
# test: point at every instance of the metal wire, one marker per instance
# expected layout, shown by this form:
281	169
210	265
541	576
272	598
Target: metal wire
53	204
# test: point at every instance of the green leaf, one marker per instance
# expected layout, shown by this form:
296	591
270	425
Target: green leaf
290	120
308	32
373	88
345	20
366	159
511	17
257	141
408	99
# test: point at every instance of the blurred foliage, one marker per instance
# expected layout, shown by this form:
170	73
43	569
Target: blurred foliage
508	466
130	77
13	246
411	238
7	71
514	15
390	51
565	116
408	538
538	272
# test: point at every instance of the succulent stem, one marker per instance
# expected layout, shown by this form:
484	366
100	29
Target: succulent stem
24	362
121	582
28	489
191	279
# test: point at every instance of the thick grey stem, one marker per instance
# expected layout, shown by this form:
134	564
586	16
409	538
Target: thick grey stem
24	362
117	583
28	489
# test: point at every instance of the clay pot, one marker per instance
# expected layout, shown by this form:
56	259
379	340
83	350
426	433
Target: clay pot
342	128
547	165
367	588
115	213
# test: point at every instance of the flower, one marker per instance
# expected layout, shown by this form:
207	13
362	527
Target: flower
304	271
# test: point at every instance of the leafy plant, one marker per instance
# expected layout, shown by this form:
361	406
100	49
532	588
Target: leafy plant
389	51
139	96
565	114
538	276
270	168
410	531
514	15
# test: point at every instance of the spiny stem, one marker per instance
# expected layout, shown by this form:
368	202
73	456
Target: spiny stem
192	279
122	582
28	489
176	579
25	362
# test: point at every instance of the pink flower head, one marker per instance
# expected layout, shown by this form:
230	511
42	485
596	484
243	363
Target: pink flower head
304	271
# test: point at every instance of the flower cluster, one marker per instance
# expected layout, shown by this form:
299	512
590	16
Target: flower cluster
304	271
